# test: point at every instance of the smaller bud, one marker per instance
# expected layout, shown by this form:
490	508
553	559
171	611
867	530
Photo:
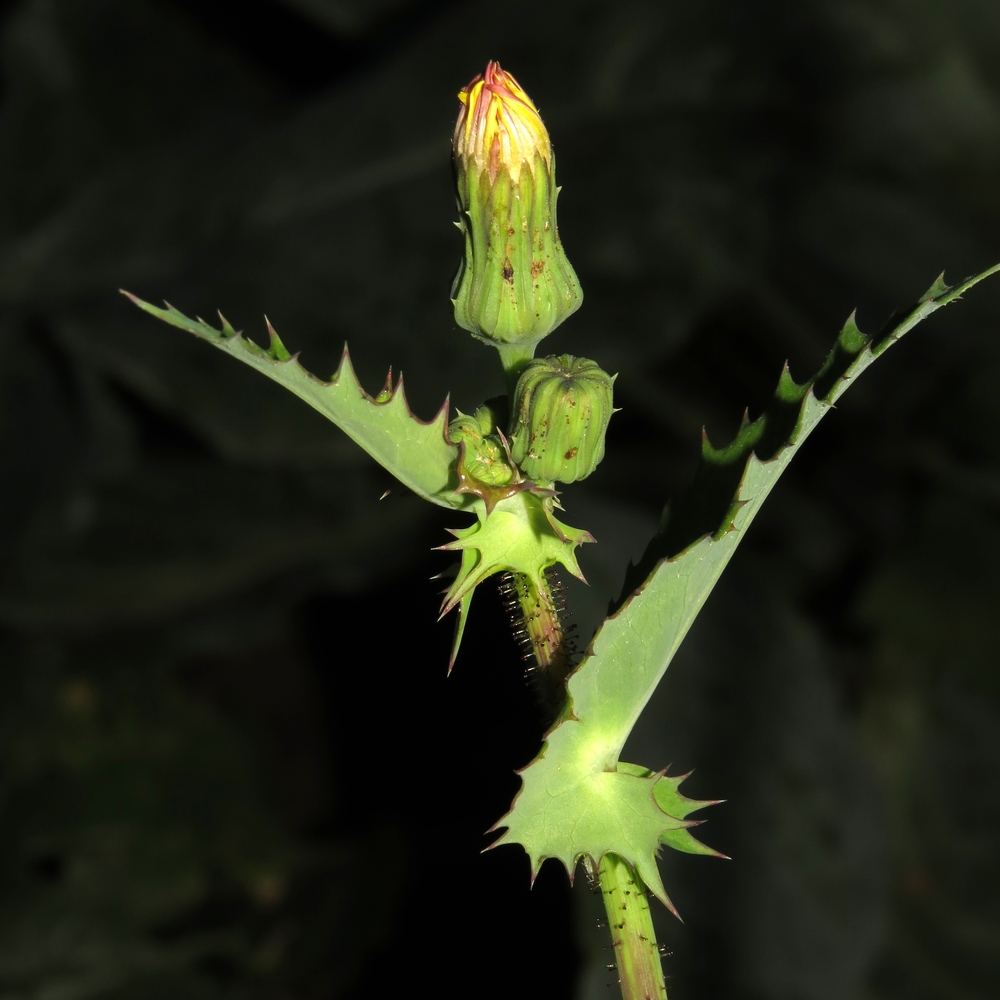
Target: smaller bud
485	457
492	415
562	406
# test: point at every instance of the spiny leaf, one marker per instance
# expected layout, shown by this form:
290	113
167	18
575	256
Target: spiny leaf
577	798
418	454
519	535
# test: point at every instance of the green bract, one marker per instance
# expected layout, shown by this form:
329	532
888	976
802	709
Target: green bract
562	406
484	457
517	533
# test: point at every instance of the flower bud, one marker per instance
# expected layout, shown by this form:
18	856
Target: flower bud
484	458
515	285
562	406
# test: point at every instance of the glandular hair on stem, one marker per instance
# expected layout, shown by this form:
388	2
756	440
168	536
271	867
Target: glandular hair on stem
536	609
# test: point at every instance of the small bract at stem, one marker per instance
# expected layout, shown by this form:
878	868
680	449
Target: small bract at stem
637	954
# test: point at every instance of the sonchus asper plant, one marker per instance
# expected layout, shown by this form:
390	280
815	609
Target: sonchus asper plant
579	802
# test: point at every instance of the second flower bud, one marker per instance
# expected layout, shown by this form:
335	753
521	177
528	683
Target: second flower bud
560	415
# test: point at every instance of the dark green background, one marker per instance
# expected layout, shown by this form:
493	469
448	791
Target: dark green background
230	762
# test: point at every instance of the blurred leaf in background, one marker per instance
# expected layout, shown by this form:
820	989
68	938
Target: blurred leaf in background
203	707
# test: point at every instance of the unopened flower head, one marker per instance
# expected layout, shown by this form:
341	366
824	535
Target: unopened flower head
499	126
515	285
562	406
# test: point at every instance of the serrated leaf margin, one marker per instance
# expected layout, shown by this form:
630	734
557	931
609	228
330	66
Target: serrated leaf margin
584	745
417	452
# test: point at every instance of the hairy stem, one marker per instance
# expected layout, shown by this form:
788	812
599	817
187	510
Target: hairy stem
636	951
536	608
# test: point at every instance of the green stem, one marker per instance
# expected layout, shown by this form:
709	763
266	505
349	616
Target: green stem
636	951
514	357
536	606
